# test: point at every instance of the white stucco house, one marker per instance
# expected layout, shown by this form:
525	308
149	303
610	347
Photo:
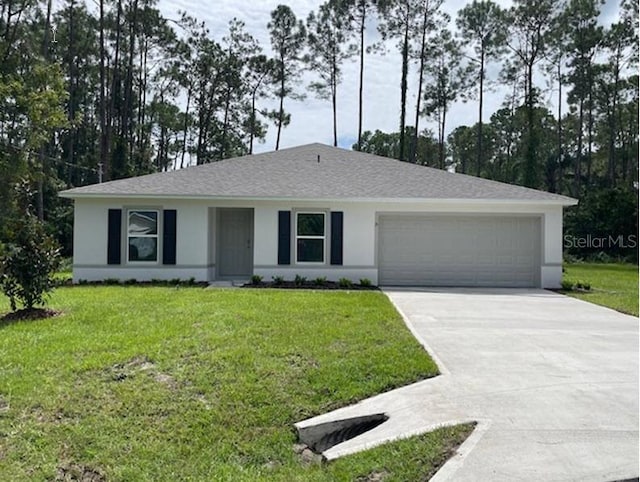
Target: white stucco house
317	211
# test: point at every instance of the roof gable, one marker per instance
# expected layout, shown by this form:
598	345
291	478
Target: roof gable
315	171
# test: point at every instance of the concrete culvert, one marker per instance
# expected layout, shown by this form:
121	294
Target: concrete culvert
325	435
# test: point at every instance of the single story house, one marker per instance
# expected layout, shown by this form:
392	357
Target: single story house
314	211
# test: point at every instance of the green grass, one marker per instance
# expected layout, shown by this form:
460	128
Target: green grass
612	285
153	383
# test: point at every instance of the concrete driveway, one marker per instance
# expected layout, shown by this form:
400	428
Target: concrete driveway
552	382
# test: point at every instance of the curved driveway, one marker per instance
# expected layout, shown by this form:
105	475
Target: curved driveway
552	381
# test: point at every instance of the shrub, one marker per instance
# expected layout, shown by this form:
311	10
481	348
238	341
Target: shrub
131	281
299	280
175	281
320	281
278	280
29	261
567	285
111	281
583	285
191	281
365	282
256	279
345	283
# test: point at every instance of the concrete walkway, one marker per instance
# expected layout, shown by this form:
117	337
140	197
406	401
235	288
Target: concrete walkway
552	382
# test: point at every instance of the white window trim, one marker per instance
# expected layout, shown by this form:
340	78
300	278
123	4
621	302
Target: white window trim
157	236
324	239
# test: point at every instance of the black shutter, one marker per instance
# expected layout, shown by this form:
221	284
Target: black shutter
114	236
284	237
336	237
169	237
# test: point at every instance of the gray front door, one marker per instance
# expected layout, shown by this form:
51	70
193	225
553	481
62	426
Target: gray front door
235	243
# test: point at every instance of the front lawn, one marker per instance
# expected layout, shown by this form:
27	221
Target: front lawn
156	383
612	285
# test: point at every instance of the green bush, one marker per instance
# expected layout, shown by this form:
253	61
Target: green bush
31	258
567	285
320	281
583	285
111	281
131	281
365	282
299	280
256	279
345	283
278	280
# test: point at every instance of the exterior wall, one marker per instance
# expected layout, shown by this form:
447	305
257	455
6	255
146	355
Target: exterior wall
90	242
196	224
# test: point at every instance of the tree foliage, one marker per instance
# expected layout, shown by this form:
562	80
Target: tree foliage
31	257
114	88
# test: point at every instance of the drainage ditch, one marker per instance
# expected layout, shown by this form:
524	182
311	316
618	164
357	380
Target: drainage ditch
325	435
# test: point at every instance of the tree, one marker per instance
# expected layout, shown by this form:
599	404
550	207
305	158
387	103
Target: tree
287	41
259	76
430	17
326	37
530	22
359	14
30	259
584	36
388	145
400	19
448	80
482	27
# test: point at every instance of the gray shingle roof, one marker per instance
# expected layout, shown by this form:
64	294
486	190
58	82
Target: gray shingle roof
295	173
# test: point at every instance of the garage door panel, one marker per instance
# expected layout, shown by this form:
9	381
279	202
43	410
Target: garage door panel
459	250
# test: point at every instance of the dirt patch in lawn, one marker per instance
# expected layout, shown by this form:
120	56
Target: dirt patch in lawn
28	314
141	364
78	472
374	477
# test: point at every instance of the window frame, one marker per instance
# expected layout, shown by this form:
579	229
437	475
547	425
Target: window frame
156	236
324	237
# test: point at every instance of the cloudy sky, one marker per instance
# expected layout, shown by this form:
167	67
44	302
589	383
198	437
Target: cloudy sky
311	118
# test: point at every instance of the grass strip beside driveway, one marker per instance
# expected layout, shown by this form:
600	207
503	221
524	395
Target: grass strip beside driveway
614	285
154	383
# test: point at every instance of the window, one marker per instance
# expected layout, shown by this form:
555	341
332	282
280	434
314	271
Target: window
310	237
142	236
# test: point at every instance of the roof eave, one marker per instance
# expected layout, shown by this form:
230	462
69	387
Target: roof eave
564	201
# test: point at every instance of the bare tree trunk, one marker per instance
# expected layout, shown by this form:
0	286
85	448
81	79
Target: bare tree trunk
361	86
127	119
403	88
442	131
611	168
104	149
72	91
479	162
578	162
281	110
560	113
186	127
115	81
252	126
41	155
423	44
334	104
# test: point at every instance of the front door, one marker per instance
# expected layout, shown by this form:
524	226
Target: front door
235	243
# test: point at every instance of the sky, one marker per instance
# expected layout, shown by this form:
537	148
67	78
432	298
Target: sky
311	119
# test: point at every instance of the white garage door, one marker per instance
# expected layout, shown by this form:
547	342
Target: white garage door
459	250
